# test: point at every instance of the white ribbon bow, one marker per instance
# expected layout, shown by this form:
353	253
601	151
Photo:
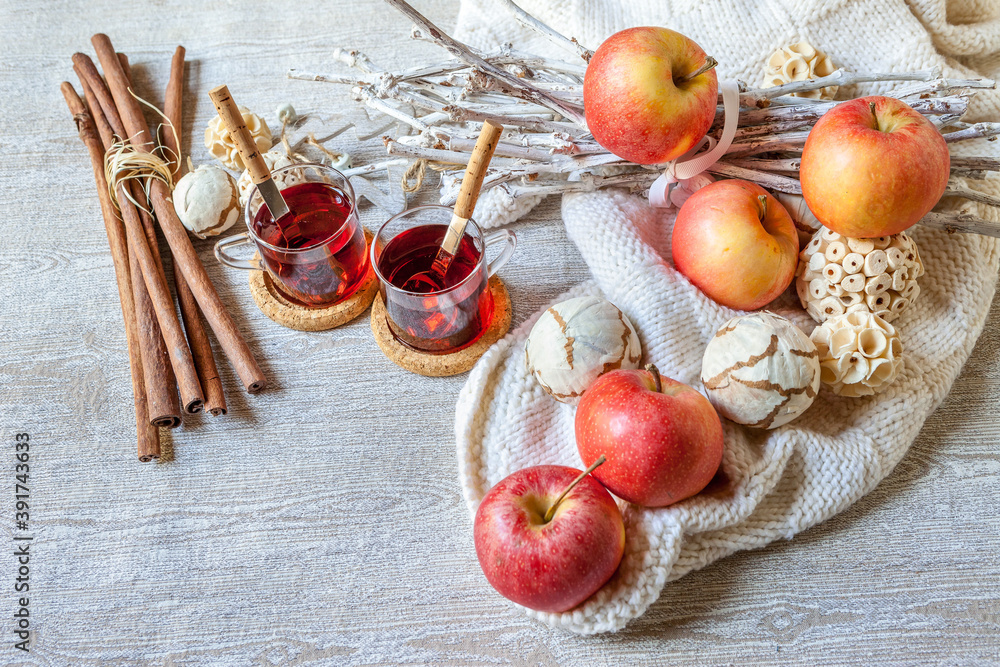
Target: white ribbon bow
686	175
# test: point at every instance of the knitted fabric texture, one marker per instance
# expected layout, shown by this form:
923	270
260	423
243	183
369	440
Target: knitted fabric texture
772	484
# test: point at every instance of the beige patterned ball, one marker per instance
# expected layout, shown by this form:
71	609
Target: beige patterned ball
206	201
576	341
760	370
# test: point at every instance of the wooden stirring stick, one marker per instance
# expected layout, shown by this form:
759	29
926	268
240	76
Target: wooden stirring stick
254	161
486	144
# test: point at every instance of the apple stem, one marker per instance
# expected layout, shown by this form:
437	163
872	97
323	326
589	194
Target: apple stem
871	106
710	63
657	385
552	510
763	206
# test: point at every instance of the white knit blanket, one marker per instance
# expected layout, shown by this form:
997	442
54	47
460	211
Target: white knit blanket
776	483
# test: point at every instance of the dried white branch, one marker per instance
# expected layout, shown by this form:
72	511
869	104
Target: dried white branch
546	140
375	166
394	147
840	77
975	163
531	22
958	190
789	141
938	85
956	221
810	113
504	150
461	114
513	85
356	59
778	127
364	94
975	131
758	164
763	179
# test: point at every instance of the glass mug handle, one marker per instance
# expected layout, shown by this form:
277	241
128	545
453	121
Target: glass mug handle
501	235
238	239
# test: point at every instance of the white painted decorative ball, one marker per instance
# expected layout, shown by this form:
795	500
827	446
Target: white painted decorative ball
859	353
576	341
761	370
206	201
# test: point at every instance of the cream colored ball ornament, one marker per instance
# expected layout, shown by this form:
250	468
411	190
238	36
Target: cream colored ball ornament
276	159
761	370
206	201
574	342
860	353
838	274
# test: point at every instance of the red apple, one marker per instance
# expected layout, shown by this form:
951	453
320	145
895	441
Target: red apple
649	94
662	439
548	563
873	167
736	243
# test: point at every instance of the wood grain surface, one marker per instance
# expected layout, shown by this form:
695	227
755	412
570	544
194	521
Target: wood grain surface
320	522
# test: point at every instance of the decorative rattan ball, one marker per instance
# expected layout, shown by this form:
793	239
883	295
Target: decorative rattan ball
839	274
276	159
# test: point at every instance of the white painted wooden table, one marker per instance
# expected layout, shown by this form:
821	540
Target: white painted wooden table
321	522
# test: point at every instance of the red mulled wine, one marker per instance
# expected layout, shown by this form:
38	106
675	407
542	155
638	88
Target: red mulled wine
319	255
434	313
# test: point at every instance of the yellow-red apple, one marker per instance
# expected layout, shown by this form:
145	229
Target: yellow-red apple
548	561
873	167
736	243
649	94
662	439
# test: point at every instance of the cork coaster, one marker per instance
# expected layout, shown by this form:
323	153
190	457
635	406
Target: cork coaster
277	307
442	365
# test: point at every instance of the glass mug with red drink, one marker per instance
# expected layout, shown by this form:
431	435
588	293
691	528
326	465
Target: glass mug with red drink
316	255
424	310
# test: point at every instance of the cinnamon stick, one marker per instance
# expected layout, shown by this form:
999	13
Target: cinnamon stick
147	436
195	402
173	105
188	263
156	283
160	385
201	348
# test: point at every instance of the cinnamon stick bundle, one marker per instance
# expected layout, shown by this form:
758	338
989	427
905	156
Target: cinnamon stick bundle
147	436
152	272
187	260
201	348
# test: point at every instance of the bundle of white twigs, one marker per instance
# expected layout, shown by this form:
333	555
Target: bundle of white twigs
548	149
